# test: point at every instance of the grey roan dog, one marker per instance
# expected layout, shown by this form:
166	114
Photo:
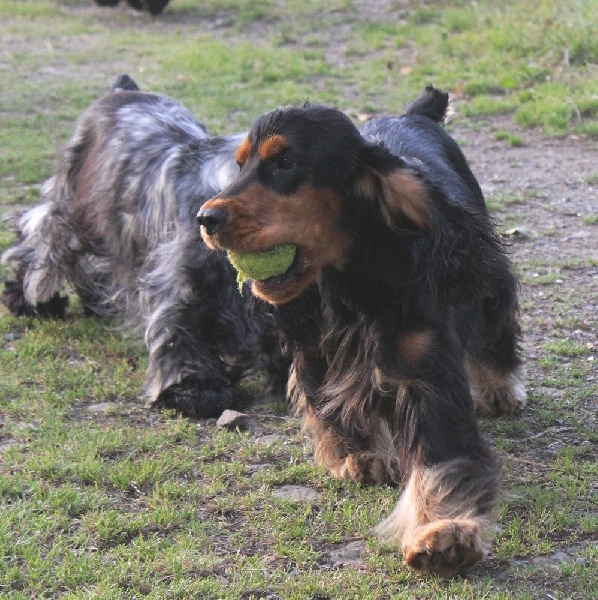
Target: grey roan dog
117	221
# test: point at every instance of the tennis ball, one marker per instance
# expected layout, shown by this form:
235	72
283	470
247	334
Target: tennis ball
262	265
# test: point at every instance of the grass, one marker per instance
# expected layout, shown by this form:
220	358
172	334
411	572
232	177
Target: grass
511	138
100	498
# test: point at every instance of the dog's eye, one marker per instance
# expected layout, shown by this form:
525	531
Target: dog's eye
285	163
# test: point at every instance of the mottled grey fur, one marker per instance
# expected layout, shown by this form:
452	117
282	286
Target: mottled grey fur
117	221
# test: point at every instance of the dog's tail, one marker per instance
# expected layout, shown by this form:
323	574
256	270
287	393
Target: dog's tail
432	103
124	83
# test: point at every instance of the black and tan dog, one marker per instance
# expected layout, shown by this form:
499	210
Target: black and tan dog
400	309
117	221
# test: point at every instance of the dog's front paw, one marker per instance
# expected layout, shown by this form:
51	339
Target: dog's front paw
445	547
369	468
508	400
201	399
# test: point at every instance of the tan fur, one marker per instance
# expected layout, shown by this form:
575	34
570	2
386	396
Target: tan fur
446	547
495	393
261	218
400	192
414	346
439	528
405	193
272	146
243	151
376	464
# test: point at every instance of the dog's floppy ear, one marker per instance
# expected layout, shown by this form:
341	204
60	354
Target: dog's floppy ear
453	254
399	191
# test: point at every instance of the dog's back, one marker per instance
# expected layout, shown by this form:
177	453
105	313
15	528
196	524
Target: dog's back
417	136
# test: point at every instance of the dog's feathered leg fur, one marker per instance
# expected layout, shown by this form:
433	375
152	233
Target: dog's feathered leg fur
444	517
44	248
372	460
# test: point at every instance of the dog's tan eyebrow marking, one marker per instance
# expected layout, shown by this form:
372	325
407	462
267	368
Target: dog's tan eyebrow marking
272	146
243	151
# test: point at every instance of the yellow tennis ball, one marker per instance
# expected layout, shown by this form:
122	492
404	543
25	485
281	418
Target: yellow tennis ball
262	265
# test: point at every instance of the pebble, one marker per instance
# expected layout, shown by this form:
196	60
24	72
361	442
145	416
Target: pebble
349	555
296	493
101	407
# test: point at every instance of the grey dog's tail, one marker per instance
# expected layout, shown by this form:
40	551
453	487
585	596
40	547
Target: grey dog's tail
432	103
124	83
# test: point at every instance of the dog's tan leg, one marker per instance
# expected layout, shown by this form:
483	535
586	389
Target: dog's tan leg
375	463
442	521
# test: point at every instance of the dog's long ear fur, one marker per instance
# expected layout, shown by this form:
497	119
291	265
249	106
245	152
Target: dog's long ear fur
399	192
451	243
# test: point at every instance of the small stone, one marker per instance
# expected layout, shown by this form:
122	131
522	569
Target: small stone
101	407
272	438
518	563
560	556
232	419
6	445
349	555
296	493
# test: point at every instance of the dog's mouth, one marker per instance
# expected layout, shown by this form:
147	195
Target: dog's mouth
284	287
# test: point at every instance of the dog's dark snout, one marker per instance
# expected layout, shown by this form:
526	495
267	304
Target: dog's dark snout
211	219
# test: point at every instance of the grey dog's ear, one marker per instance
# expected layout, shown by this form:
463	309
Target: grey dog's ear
399	191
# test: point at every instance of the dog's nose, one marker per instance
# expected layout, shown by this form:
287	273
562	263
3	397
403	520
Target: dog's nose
211	219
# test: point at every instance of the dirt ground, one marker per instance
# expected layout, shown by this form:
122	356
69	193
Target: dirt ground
547	197
547	200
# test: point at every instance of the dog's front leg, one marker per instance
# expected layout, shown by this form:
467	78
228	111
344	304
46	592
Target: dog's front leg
443	519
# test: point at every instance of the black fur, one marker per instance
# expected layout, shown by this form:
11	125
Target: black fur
416	305
155	7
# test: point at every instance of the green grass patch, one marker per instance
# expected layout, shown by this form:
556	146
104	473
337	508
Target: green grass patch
511	138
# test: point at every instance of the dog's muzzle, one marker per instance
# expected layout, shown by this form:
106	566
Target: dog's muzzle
211	219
